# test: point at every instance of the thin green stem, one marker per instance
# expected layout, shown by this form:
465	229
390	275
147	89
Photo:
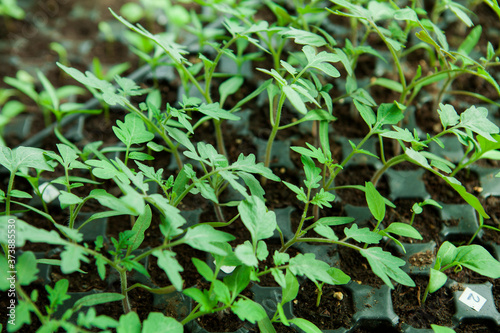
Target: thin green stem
149	122
9	189
123	284
347	159
272	136
391	162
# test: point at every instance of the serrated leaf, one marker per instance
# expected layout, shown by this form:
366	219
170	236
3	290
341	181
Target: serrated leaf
308	265
386	266
170	265
388	114
26	232
363	235
23	157
246	309
141	224
366	112
475	119
204	237
129	323
71	257
132	130
301	194
323	198
291	288
254	215
304	37
26	268
158	322
326	232
245	253
247	164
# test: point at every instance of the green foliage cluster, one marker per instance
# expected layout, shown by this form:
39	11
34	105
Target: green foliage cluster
305	62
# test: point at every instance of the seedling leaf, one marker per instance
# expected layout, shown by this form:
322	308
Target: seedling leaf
254	215
167	262
246	309
204	237
158	322
386	266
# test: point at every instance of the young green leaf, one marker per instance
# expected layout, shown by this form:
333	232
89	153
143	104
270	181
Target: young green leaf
229	87
363	235
23	157
313	173
140	226
158	322
308	265
389	114
305	325
291	288
386	266
323	198
26	268
478	259
437	279
58	294
204	237
129	323
403	229
238	280
170	265
475	119
26	232
90	319
246	309
303	37
326	232
132	130
96	299
254	215
441	329
71	257
301	194
245	253
321	61
375	201
203	269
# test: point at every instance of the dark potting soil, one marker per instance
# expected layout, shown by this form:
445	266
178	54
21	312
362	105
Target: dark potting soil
438	308
428	223
357	267
335	309
358	175
441	191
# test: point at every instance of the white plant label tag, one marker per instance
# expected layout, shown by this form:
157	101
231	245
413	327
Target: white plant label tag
472	299
50	192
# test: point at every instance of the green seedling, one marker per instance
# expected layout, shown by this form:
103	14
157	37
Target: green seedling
417	208
50	98
10	8
9	111
473	257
